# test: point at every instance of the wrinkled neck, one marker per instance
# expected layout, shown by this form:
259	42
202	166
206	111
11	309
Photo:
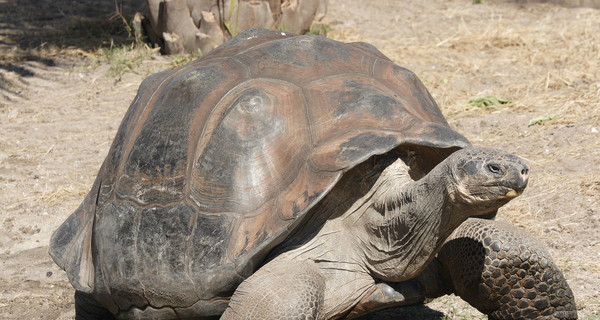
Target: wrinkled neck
407	225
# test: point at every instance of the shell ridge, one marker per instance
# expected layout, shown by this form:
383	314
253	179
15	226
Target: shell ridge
337	75
150	204
243	66
372	69
387	85
265	43
309	120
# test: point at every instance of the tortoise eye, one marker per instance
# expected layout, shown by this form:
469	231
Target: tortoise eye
494	168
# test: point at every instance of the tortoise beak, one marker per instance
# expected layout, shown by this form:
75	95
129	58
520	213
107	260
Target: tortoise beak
511	193
519	180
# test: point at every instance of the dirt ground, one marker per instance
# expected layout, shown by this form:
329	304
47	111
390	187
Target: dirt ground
61	101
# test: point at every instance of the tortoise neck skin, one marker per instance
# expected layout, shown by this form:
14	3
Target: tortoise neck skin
406	222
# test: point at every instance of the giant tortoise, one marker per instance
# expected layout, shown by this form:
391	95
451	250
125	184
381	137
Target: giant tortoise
297	177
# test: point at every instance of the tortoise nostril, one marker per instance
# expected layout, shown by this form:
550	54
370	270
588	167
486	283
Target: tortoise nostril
525	171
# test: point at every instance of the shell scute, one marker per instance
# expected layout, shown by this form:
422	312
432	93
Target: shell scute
163	240
208	270
116	235
251	152
351	102
408	87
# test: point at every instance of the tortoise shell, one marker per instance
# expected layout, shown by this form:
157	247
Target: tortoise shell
217	162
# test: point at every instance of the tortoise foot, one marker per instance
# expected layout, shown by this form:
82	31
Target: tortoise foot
504	273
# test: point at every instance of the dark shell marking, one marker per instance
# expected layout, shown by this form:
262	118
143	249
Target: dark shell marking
216	162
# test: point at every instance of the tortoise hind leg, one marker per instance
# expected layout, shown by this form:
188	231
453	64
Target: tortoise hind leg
280	290
86	308
504	273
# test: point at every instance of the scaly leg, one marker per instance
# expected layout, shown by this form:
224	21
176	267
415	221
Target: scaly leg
281	290
504	273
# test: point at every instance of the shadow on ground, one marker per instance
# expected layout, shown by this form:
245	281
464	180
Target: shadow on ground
28	25
419	312
40	30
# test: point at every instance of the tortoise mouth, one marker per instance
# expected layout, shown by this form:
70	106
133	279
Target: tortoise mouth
505	192
492	193
511	193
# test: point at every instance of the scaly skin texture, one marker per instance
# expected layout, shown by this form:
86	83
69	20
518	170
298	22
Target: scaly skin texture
504	273
390	234
289	295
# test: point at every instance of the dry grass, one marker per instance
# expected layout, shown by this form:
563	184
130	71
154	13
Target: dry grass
551	66
59	195
42	30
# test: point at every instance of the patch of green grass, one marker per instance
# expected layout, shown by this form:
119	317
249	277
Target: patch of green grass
181	59
232	30
320	29
587	304
565	265
540	120
489	101
123	59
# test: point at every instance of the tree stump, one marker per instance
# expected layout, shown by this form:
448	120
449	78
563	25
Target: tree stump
198	26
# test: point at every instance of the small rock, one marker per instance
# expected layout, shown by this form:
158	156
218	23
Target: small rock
30	230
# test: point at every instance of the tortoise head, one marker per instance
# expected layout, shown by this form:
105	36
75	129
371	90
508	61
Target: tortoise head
484	179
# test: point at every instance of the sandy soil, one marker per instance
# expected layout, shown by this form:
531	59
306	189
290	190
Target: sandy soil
60	105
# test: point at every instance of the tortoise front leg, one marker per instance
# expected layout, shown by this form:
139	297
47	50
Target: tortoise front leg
279	290
388	295
430	283
504	273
